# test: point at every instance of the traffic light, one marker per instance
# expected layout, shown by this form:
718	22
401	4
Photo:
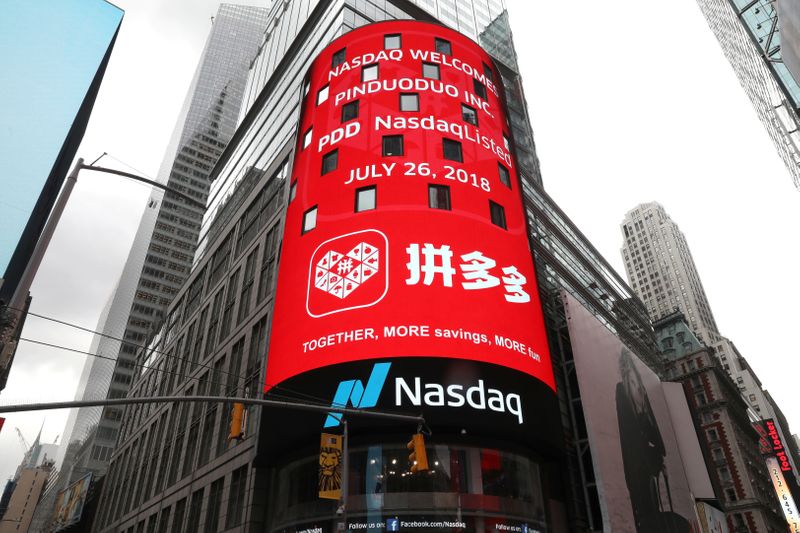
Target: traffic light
238	415
418	456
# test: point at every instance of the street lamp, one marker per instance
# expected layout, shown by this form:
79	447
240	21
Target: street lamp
16	308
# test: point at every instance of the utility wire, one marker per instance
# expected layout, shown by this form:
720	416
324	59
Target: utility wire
75	350
289	393
294	395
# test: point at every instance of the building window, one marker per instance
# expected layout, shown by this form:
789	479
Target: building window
730	494
487	71
713	436
392	145
452	150
307	138
310	219
468	114
439	197
236	498
293	191
193	522
369	72
338	58
480	89
391	42
322	95
350	111
498	214
306	88
443	46
430	71
409	102
365	198
330	162
505	176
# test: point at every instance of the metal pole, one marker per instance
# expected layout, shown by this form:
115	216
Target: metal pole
345	473
150	182
20	295
24	286
221	399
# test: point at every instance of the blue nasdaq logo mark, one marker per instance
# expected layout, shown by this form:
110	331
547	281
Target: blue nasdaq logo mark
352	391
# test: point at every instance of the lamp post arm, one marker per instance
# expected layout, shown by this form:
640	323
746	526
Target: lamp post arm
150	182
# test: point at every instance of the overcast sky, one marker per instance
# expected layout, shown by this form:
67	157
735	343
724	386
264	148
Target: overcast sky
631	104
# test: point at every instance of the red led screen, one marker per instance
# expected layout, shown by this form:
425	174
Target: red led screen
405	233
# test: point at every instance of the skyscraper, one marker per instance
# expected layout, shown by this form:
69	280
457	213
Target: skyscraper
748	32
175	467
661	270
164	245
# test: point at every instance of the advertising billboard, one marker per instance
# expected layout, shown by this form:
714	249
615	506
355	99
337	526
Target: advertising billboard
405	253
70	502
712	520
780	470
771	443
640	474
788	505
48	105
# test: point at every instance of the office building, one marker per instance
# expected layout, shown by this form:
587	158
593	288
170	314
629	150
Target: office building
21	506
751	34
22	493
661	270
164	245
318	97
730	443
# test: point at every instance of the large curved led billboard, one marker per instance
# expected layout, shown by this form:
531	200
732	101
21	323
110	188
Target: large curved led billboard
405	258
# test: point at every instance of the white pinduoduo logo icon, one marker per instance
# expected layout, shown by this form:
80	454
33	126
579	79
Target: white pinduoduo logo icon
348	272
340	275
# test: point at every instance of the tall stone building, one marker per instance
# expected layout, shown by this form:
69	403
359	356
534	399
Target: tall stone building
661	270
726	435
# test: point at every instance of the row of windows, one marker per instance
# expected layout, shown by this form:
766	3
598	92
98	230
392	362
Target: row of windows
393	145
431	71
190	446
438	198
394	41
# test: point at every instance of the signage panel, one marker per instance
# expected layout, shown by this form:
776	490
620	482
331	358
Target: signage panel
70	502
788	505
490	404
640	473
780	469
771	443
712	520
405	234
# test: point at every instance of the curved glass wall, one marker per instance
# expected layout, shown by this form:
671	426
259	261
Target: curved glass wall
466	489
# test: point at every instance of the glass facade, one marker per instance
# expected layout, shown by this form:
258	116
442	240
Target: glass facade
747	32
480	487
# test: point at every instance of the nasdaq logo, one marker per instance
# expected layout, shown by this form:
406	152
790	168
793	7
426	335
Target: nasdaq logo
354	393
